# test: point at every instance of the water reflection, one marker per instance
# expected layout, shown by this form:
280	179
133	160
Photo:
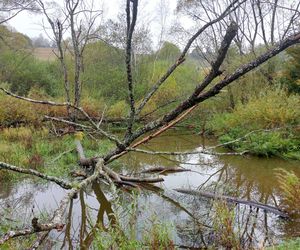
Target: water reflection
245	177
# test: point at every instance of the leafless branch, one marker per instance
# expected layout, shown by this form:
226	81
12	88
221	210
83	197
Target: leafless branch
181	58
60	182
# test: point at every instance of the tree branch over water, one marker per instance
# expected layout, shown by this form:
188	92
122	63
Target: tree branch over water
210	86
60	182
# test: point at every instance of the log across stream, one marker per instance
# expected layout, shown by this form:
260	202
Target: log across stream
229	199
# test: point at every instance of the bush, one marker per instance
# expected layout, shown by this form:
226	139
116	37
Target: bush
23	72
272	109
118	110
272	120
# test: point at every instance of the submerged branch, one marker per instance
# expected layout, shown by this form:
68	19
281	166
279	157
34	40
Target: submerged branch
163	170
230	199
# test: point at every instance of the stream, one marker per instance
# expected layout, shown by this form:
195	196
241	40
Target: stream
189	218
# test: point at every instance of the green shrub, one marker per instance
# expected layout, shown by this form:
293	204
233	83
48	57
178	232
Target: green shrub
118	110
272	109
291	244
270	123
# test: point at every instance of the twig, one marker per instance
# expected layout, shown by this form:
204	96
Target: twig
61	155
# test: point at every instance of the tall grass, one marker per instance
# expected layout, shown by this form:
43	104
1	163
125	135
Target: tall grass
289	185
273	118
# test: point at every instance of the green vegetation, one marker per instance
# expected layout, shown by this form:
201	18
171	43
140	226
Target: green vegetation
289	184
269	121
223	224
156	237
291	75
37	149
293	244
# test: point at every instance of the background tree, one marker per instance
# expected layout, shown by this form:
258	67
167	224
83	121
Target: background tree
10	8
77	18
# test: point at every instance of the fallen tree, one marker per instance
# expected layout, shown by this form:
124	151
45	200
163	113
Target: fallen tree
210	86
230	199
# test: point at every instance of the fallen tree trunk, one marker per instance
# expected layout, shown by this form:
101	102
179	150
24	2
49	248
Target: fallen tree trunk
230	199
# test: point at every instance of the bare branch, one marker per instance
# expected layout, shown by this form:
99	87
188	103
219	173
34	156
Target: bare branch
206	152
60	182
58	219
181	58
51	103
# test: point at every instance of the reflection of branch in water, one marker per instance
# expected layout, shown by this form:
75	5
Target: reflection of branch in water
221	170
68	228
160	192
105	207
57	221
83	217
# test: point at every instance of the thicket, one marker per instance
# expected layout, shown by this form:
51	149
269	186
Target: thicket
268	125
267	105
103	80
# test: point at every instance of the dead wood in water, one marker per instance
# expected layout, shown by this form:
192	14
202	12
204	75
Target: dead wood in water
114	176
230	199
164	170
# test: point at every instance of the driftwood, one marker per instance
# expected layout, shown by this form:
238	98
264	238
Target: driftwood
163	170
230	199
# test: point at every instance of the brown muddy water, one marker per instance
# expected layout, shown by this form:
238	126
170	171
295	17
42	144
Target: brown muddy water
189	218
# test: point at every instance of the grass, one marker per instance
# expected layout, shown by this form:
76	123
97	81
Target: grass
282	143
289	184
45	54
293	244
157	237
274	118
37	149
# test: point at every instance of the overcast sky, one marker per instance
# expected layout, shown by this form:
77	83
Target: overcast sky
149	12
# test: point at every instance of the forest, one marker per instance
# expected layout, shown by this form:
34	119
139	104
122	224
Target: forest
168	125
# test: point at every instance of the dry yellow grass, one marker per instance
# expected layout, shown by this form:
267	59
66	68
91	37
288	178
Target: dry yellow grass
45	54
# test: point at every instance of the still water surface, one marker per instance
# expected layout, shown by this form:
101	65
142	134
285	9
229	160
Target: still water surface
190	218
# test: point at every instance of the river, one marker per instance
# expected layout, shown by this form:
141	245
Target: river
190	218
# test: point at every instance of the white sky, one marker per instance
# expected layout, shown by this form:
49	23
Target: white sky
149	12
